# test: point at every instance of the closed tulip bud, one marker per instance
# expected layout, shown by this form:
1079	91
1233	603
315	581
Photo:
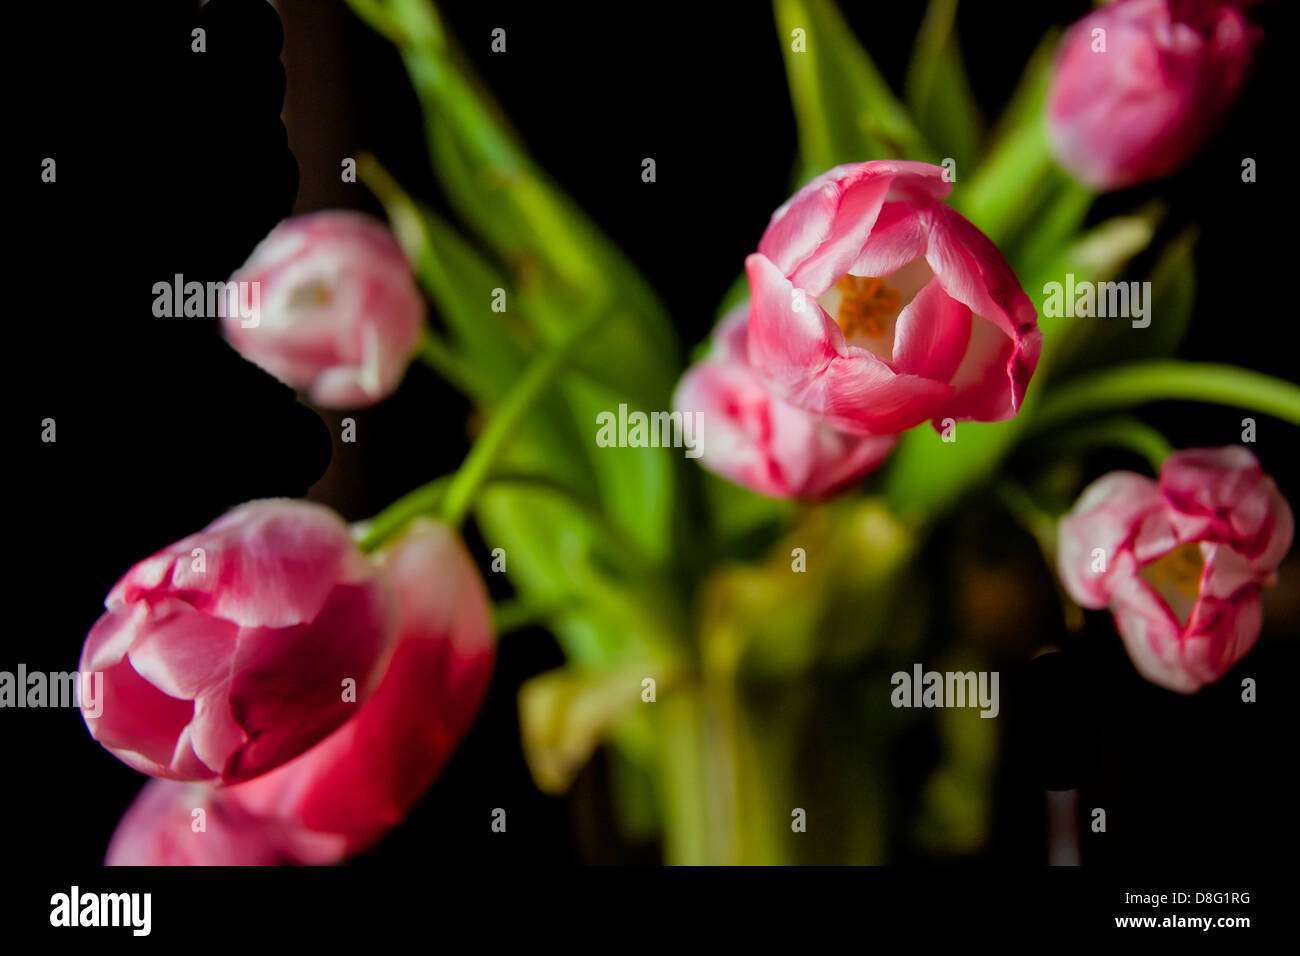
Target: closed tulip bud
1140	85
365	778
239	647
340	315
755	439
1180	562
875	307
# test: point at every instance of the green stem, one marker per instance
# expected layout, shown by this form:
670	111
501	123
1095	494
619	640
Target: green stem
539	376
422	500
1165	380
522	612
1126	433
1030	515
436	354
427	498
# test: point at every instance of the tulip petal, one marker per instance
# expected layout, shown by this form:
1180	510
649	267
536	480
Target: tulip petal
897	237
1220	633
287	684
367	776
855	214
819	232
932	334
271	563
973	271
1223	494
225	654
1152	636
1097	533
183	652
139	718
803	357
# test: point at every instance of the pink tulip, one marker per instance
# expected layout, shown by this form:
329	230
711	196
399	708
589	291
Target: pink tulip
1169	73
876	307
755	439
191	824
365	778
340	315
1180	563
227	653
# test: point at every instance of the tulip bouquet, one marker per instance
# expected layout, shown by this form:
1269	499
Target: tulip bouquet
880	368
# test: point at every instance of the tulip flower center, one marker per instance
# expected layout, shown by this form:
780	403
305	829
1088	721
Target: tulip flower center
309	295
1176	577
867	306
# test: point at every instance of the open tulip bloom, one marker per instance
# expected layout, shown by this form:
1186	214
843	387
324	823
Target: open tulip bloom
1180	561
227	653
304	683
346	792
876	307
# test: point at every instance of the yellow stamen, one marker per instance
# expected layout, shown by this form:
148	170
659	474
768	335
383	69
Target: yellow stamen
866	306
310	294
1176	577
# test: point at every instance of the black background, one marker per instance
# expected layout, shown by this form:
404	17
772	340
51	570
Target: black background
174	162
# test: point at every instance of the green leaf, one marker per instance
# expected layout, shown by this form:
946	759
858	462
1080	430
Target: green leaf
457	278
1173	297
559	272
560	264
1015	179
1099	255
1053	228
769	621
565	714
844	109
1142	382
938	91
1170	300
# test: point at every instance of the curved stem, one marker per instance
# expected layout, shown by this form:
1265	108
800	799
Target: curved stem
1030	516
518	403
436	354
426	499
1160	381
1127	433
423	500
522	612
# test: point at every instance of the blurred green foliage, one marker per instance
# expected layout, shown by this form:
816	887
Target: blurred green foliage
772	683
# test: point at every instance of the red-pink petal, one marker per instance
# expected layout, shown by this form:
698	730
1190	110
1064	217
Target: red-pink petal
225	654
367	776
340	314
973	271
932	334
803	357
754	439
1099	530
1222	494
